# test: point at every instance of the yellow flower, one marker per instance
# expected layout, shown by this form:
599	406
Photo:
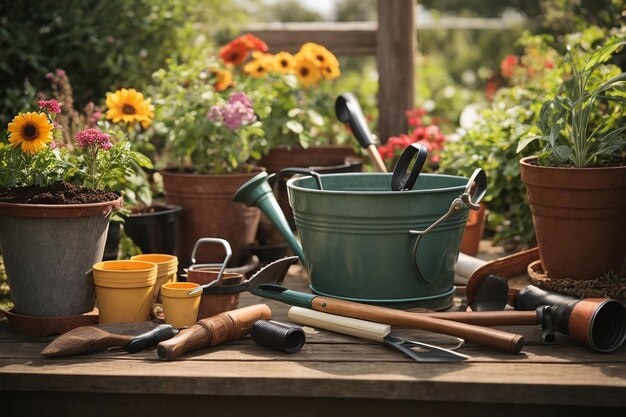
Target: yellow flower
322	56
30	130
223	79
330	72
306	70
284	62
260	65
129	106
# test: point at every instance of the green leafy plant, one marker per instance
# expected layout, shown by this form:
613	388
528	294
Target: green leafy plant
37	155
196	139
582	126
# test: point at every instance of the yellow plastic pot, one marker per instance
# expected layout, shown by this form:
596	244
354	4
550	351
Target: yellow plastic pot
180	308
167	266
124	290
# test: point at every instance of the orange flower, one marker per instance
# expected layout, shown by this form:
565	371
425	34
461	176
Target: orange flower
237	50
223	79
234	53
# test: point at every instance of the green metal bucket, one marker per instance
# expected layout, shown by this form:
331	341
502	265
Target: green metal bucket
359	238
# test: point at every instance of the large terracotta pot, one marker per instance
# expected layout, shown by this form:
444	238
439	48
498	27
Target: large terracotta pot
48	252
208	211
579	216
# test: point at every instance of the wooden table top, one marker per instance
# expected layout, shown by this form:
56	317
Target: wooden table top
332	374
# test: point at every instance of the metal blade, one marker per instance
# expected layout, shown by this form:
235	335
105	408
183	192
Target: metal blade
271	273
430	353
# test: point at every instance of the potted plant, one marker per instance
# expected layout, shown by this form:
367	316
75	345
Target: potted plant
576	186
55	204
152	226
212	139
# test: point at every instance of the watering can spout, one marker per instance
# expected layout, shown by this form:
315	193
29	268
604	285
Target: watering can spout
258	193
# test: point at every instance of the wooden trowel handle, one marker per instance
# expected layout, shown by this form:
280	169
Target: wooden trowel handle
212	331
504	341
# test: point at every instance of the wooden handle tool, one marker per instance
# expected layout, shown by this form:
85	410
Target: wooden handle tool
497	339
212	331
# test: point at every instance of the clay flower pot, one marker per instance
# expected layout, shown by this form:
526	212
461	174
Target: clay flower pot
579	216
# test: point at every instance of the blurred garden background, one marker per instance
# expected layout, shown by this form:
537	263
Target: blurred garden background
482	68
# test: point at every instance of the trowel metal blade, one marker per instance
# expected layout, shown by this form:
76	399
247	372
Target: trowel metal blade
271	273
492	295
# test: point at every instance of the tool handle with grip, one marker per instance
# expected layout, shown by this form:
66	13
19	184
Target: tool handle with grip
497	339
345	325
151	338
212	331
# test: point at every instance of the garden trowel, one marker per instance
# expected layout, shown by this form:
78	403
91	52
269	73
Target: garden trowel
418	351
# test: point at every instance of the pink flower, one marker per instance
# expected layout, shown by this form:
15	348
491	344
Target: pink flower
52	106
93	137
235	113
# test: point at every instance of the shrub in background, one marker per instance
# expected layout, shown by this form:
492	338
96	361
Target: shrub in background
102	45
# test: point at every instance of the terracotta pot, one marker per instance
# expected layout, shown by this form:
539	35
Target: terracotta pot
48	251
579	216
208	211
474	229
282	157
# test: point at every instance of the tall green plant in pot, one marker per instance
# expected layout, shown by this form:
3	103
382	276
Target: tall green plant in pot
212	139
576	186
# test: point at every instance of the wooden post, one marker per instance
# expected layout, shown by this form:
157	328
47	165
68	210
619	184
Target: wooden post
395	55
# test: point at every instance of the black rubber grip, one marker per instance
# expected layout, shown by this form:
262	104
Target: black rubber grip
151	338
279	336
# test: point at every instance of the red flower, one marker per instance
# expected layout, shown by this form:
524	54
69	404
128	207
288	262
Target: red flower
507	66
238	50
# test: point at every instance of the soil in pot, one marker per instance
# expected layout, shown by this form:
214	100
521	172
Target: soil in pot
58	193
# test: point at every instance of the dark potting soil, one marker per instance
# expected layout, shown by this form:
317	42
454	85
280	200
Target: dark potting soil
58	193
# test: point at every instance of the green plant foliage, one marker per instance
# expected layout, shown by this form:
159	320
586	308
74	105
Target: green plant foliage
583	125
102	45
491	143
183	95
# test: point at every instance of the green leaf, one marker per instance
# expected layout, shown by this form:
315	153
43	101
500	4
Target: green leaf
315	117
601	55
562	153
294	126
524	142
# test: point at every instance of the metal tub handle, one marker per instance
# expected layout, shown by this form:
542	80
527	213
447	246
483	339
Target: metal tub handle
472	195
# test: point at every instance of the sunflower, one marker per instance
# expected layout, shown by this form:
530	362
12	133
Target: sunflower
129	106
284	62
260	66
330	72
306	70
30	130
322	56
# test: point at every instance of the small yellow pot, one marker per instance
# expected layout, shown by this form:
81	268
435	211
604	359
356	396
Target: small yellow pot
180	308
167	266
124	290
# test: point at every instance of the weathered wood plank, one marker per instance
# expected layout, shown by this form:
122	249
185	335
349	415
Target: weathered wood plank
566	384
344	38
395	58
53	404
